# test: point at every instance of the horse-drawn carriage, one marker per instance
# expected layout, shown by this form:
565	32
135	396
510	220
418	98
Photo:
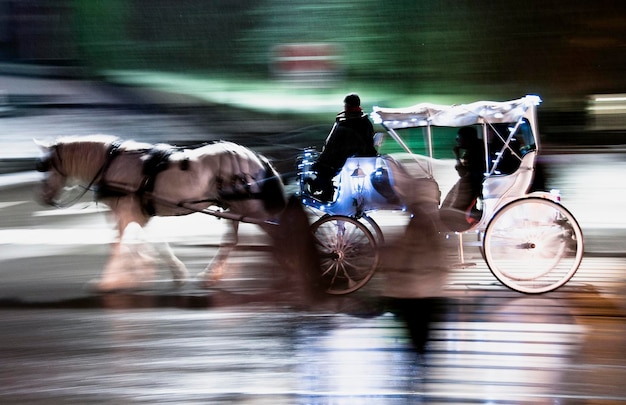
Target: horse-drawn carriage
530	242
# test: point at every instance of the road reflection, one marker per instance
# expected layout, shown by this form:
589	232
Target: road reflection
485	347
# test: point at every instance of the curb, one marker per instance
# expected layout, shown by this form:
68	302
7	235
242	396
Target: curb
17	165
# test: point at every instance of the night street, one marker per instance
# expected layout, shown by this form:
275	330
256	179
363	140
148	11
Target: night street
245	342
454	229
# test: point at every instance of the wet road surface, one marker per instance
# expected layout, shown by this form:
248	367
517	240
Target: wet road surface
245	342
487	345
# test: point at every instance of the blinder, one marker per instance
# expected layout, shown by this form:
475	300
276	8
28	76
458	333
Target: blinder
47	162
44	164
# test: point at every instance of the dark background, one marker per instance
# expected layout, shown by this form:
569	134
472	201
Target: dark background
563	51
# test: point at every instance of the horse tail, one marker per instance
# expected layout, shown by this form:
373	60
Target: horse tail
272	189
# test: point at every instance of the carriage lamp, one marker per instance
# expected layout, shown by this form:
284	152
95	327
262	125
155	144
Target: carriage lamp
357	180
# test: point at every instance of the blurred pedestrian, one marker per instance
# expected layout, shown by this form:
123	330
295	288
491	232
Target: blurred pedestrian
351	135
415	269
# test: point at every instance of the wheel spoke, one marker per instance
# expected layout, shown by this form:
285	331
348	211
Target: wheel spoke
349	254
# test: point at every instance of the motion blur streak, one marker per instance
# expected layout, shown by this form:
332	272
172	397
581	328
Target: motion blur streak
270	74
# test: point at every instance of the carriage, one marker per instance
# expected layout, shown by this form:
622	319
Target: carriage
530	242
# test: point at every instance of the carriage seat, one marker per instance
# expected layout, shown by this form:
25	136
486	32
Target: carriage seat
381	182
511	185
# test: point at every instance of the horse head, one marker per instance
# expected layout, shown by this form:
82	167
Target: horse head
70	161
55	178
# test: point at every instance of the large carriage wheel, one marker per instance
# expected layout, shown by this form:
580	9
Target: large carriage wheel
349	255
533	245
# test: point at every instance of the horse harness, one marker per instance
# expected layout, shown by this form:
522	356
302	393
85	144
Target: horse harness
156	160
233	187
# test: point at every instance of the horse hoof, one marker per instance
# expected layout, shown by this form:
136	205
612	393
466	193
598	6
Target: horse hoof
204	283
91	286
95	286
207	278
99	287
179	282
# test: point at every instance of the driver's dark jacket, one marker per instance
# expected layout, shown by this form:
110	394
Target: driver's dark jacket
352	135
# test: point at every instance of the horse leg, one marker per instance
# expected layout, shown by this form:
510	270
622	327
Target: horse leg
176	267
215	270
132	258
131	261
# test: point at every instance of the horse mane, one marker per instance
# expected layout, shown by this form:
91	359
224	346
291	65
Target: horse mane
83	156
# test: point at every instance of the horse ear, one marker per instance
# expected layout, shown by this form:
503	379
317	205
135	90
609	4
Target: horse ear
44	145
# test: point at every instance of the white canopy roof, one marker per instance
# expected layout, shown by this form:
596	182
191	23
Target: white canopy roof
457	115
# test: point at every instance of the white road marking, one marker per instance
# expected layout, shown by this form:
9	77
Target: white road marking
11	203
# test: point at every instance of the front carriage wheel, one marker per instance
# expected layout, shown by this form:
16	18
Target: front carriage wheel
533	245
349	256
373	227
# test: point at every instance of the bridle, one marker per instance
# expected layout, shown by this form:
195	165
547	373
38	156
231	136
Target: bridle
49	162
54	160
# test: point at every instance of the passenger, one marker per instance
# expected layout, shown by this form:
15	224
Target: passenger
459	211
351	135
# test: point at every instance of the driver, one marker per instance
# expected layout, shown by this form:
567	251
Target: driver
351	135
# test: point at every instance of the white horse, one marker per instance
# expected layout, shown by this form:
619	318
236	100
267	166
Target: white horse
138	181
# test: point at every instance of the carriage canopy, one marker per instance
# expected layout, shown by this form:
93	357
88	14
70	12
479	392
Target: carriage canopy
457	115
